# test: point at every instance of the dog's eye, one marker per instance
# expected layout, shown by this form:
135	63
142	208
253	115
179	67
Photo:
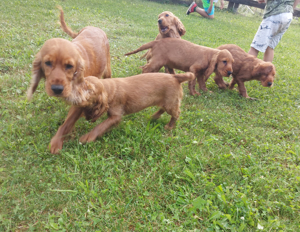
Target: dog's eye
48	63
69	66
167	15
224	62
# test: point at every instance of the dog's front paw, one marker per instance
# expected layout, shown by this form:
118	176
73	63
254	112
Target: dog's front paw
224	86
167	127
192	93
87	138
195	93
55	145
230	86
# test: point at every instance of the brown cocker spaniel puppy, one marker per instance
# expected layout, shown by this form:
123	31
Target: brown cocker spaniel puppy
186	56
92	97
169	26
246	68
60	60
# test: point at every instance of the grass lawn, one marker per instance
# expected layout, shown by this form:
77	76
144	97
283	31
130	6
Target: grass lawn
230	164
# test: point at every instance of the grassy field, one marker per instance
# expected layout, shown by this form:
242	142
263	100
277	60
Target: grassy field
230	164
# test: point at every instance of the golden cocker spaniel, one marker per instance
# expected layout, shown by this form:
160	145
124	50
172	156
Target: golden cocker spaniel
60	60
169	26
92	97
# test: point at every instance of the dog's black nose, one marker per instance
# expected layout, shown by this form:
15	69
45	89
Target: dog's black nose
159	21
270	83
57	89
229	73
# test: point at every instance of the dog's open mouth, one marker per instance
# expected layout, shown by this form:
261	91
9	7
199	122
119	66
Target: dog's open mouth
164	29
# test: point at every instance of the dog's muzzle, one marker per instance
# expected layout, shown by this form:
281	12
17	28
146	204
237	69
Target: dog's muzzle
270	84
229	73
57	89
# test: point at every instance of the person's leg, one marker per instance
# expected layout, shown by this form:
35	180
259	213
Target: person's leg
194	8
260	41
278	29
203	13
269	55
253	51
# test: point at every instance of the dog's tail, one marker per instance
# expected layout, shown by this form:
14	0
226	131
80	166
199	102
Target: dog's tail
142	48
64	25
182	77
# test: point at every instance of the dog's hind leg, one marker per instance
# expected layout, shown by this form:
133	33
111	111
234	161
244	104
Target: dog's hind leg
107	72
192	85
171	124
198	72
158	114
174	112
169	70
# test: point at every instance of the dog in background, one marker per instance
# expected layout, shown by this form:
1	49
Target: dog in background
188	57
119	96
246	68
169	26
60	60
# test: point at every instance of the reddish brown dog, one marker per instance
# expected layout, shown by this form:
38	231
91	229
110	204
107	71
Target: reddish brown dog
246	68
60	60
119	96
169	26
186	56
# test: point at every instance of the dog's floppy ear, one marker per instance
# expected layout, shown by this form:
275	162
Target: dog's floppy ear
102	102
179	25
79	73
262	69
37	75
101	105
256	70
212	65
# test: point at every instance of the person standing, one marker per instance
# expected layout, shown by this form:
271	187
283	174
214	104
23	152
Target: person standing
278	15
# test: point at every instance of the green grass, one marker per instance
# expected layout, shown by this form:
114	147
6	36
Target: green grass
229	165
